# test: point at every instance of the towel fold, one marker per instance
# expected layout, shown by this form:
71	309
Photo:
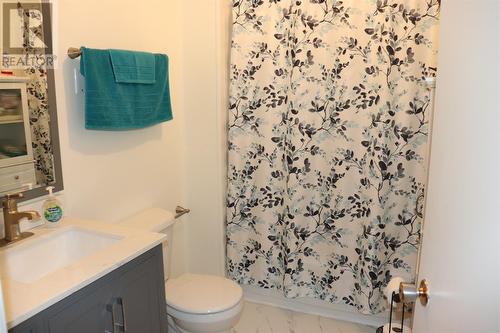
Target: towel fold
120	106
133	67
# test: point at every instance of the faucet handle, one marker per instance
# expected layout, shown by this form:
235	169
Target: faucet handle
11	196
9	201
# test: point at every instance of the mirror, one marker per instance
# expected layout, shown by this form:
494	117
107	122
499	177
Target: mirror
29	143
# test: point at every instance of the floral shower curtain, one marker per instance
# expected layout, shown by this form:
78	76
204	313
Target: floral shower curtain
328	130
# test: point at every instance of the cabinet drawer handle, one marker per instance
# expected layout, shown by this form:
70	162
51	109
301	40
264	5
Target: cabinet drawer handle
120	302
111	308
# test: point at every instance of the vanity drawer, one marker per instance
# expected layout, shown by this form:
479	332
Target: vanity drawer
16	176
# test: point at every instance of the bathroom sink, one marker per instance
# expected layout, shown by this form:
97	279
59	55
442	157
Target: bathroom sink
32	259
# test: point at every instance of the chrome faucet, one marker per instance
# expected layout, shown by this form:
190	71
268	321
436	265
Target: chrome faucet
12	217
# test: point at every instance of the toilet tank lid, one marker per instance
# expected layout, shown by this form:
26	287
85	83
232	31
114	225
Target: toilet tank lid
151	219
202	294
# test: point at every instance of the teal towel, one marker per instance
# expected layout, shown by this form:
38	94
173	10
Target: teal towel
121	106
133	67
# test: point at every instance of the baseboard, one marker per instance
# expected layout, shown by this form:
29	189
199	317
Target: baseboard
312	306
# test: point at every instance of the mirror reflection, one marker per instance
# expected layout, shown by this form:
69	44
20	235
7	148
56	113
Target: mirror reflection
13	135
28	160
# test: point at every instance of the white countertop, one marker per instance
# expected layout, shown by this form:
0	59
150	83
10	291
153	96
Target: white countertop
23	301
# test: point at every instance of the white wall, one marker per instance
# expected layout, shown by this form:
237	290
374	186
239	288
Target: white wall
111	175
205	36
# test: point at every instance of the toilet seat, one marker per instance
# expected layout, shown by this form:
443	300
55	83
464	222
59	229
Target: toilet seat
202	294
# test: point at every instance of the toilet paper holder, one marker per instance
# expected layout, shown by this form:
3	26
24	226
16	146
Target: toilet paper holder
403	293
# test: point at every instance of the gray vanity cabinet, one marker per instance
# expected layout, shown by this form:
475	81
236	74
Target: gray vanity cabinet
135	293
130	299
89	314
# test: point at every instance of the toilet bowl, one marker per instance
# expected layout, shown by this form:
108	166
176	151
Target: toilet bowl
203	303
220	322
195	303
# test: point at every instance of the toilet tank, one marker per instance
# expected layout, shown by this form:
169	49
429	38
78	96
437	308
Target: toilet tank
155	220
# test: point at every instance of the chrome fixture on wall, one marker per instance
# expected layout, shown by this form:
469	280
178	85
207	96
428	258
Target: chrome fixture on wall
179	211
74	52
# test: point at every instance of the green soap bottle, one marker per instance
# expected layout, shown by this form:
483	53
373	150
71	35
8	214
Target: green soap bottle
52	209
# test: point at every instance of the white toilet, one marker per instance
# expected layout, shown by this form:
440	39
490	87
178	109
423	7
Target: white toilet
195	303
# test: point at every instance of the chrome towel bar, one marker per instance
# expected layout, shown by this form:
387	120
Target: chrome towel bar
179	211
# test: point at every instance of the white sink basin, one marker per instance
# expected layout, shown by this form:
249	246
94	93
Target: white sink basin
43	269
31	260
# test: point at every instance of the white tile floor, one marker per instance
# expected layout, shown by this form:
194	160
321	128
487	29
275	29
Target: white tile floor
257	318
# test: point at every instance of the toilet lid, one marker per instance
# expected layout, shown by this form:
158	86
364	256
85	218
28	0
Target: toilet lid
202	294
